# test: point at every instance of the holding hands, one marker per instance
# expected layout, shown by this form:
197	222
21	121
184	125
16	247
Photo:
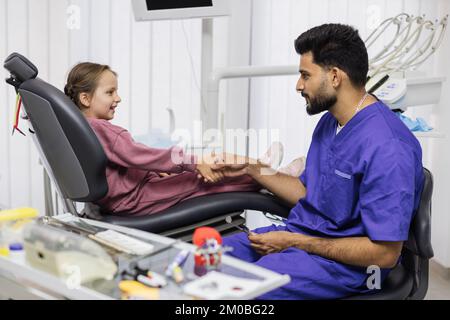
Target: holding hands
214	168
207	168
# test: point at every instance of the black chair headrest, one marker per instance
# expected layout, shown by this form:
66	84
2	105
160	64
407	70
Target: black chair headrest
20	68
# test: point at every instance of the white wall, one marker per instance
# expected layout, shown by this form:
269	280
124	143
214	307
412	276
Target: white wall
156	71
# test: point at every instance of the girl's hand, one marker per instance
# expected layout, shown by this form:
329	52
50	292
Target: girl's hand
205	168
164	174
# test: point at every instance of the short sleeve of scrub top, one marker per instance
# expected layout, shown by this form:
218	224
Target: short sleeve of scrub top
387	192
303	177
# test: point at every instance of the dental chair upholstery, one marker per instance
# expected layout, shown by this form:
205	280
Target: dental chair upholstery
75	160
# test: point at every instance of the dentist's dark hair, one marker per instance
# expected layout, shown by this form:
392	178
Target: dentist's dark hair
336	45
83	78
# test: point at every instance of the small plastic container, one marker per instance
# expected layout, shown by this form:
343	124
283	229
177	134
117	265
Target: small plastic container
11	225
4	250
17	253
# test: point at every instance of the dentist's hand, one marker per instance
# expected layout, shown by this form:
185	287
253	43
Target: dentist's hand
232	161
271	242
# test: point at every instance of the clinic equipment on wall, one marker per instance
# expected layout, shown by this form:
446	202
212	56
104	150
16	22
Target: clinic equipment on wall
415	39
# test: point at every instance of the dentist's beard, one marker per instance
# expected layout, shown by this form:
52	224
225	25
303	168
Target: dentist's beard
320	104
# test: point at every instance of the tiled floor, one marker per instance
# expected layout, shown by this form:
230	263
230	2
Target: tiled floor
439	284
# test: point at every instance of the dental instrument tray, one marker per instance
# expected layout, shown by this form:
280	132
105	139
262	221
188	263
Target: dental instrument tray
123	242
69	256
109	238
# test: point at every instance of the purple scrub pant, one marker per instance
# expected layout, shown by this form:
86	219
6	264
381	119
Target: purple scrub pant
310	275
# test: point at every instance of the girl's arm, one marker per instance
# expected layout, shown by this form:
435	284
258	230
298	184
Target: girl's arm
128	153
120	148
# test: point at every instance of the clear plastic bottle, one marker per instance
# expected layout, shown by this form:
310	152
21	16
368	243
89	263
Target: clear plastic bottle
16	253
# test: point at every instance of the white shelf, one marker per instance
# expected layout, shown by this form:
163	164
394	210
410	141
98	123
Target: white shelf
423	91
430	134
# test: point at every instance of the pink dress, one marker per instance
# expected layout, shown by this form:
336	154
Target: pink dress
134	185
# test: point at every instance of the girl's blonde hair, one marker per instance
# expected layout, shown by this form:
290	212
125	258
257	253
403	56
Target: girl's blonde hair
84	78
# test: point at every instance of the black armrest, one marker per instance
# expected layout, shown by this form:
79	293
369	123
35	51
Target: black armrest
199	209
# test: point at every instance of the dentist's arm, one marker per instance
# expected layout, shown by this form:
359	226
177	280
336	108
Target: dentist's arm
356	251
286	187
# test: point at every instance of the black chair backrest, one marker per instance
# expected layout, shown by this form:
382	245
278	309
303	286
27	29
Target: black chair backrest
419	241
71	148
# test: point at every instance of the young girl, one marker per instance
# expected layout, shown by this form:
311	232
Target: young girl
136	183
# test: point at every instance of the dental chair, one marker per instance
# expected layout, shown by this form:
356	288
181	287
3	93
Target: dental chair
76	163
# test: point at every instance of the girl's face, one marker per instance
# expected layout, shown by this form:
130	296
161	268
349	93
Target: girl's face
104	100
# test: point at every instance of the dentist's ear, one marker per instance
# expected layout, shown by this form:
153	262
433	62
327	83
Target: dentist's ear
336	77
